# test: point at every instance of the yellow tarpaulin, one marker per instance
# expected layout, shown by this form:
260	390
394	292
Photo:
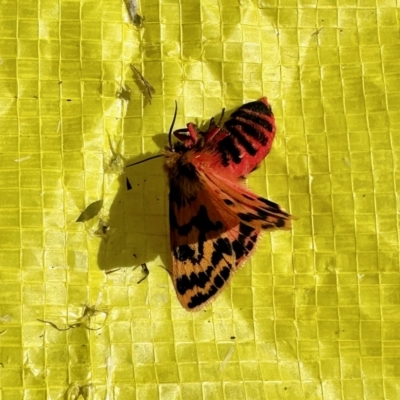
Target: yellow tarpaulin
314	314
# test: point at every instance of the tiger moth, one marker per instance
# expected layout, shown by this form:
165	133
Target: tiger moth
215	222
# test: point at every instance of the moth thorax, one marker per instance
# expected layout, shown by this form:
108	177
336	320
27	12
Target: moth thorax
183	178
171	160
178	163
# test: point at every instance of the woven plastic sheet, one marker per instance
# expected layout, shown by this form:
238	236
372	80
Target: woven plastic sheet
313	315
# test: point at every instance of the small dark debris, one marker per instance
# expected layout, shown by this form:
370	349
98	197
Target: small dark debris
124	93
72	326
128	184
317	31
102	229
91	211
145	272
111	271
138	21
132	7
82	322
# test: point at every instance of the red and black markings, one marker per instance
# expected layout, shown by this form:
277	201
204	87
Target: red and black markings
215	223
246	196
240	247
214	274
268	203
270	211
201	298
189	282
263	216
228	151
252	117
229	202
195	253
202	278
249	129
218	282
201	221
239	137
182	177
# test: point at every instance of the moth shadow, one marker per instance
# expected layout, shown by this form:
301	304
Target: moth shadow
137	227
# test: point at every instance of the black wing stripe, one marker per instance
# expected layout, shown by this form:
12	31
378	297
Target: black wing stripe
234	130
255	132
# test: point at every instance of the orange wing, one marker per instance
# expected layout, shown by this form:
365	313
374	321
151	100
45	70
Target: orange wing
202	253
213	234
255	214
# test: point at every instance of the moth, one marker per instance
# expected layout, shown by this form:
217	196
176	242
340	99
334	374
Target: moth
215	222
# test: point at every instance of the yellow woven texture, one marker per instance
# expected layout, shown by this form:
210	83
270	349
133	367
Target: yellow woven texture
313	315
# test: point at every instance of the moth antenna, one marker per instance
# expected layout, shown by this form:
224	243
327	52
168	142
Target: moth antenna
169	140
142	161
172	126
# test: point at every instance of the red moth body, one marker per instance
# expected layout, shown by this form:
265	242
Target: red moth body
240	145
215	222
